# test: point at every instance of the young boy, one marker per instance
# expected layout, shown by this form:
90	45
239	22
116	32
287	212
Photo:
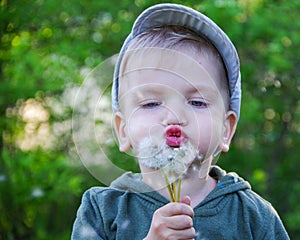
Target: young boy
176	98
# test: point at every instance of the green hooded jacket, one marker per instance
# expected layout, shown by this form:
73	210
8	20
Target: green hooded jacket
124	211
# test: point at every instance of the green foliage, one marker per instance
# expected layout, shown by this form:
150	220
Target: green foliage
46	48
36	187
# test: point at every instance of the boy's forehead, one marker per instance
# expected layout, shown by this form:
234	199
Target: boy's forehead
167	60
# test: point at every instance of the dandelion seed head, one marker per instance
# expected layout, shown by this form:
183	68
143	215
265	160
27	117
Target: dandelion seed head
157	154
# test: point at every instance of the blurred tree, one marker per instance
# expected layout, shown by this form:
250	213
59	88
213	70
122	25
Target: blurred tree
48	46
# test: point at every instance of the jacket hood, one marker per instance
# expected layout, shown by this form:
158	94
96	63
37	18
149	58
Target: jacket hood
227	183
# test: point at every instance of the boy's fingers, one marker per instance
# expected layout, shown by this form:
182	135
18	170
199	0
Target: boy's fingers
173	209
186	200
179	222
181	234
173	221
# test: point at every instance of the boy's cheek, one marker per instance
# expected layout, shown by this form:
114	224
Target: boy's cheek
138	132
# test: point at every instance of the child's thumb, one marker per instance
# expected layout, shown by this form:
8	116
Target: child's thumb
186	200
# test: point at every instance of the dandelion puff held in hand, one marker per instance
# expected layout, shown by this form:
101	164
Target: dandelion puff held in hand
157	154
173	162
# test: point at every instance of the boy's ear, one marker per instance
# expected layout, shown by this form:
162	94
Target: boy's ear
230	123
120	128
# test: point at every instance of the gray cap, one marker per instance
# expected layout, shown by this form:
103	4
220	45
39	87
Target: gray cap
177	15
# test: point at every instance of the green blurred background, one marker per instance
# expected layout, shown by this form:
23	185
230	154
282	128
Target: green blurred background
47	46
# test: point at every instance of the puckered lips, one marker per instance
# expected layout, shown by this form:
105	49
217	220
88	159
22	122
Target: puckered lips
174	136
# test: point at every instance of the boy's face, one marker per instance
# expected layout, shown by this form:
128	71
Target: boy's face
170	89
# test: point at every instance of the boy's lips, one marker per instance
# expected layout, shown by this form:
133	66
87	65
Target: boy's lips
174	136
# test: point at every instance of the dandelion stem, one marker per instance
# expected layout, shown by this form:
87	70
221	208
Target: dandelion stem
173	187
168	185
179	189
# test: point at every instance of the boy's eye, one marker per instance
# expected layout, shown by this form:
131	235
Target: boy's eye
198	103
151	104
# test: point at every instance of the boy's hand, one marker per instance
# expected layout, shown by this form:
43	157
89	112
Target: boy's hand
173	221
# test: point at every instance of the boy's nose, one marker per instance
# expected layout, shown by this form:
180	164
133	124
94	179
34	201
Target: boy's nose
173	117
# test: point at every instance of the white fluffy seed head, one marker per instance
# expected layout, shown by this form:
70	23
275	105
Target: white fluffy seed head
157	154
